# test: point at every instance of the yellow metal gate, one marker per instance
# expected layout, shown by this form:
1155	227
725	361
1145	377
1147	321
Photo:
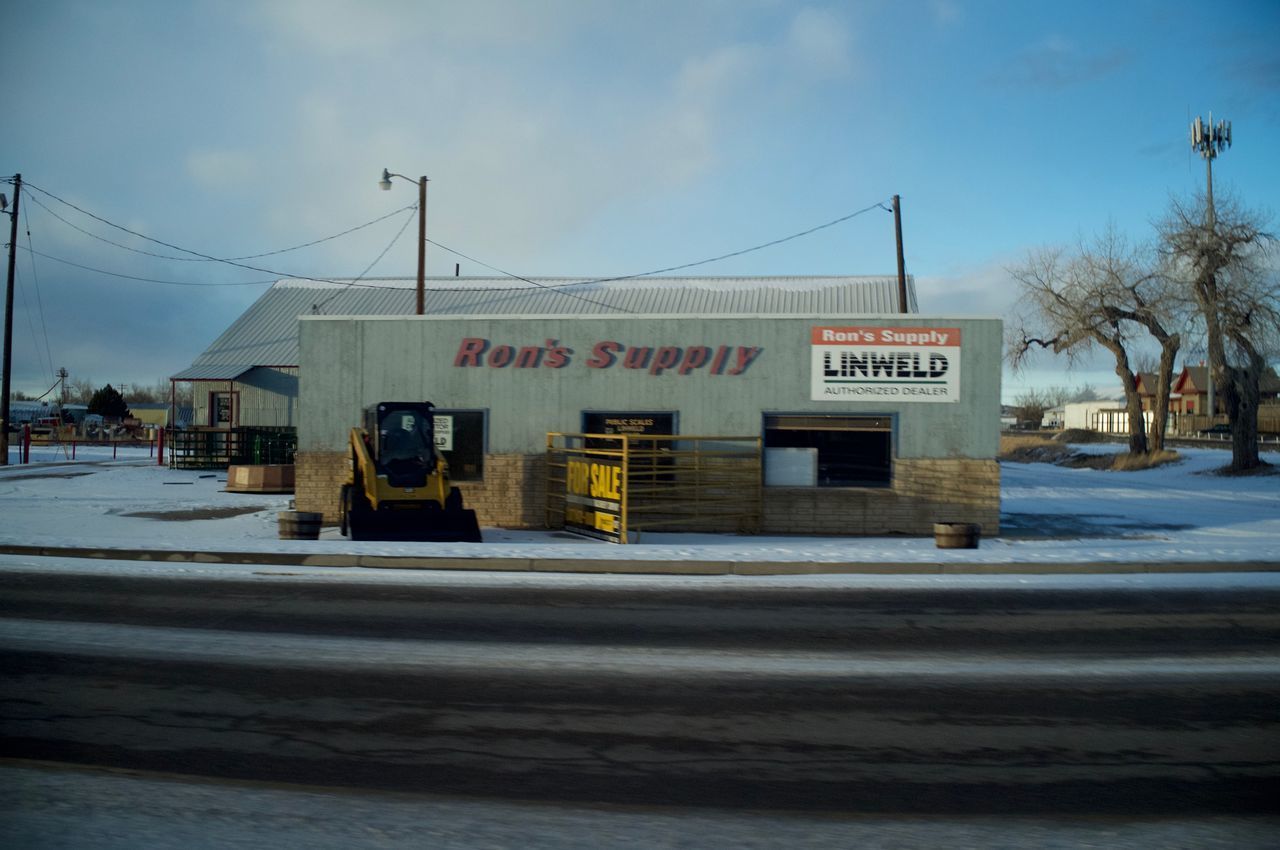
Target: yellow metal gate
612	486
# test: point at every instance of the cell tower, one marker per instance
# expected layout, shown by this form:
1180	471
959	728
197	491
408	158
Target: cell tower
1210	141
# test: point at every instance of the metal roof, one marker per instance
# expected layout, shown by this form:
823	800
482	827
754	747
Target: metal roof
212	372
267	333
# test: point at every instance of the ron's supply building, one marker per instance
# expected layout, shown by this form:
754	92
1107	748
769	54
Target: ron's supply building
871	421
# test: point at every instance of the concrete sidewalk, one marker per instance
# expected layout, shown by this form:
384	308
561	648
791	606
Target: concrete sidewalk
635	567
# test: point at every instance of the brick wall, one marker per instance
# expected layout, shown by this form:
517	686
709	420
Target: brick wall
316	479
513	495
923	492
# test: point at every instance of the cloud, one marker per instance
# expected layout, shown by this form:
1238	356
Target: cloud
519	151
819	42
350	28
945	12
218	169
1057	64
986	290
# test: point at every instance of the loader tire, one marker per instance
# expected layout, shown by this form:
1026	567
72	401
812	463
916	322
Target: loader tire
453	502
360	516
344	510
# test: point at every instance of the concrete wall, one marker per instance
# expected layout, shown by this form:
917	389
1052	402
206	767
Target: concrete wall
349	363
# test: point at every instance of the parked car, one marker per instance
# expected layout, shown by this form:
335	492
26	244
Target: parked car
1222	429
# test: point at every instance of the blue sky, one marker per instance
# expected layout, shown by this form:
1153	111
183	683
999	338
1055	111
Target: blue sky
567	137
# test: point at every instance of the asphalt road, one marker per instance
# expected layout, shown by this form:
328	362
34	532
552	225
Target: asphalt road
1136	702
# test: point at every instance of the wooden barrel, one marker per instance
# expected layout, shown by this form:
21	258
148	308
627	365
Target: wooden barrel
956	535
299	525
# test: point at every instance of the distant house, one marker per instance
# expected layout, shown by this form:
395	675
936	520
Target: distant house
147	413
1191	389
1148	382
1054	418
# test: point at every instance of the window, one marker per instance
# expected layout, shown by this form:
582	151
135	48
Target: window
828	450
461	436
222	409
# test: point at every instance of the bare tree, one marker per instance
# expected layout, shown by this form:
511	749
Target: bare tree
1058	396
1029	407
1107	294
1219	255
81	391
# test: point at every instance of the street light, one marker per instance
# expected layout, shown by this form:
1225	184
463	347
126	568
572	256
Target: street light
8	322
385	185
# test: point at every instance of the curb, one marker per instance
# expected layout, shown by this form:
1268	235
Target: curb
603	566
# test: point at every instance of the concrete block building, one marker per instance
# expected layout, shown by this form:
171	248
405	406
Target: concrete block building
872	421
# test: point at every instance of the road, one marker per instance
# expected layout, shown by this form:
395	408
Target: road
1142	703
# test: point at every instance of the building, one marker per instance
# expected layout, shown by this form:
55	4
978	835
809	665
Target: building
1191	391
896	416
1108	416
1147	385
154	415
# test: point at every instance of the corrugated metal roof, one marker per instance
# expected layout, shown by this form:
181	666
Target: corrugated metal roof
213	371
267	333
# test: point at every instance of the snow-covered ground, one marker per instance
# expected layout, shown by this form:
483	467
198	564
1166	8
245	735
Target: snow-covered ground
1178	513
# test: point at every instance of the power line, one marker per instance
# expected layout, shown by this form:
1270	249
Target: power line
680	267
35	280
355	283
315	308
147	279
92	235
229	262
258	268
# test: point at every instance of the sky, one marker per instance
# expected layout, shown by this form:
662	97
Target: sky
566	137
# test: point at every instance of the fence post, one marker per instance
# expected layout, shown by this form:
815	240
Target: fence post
26	444
160	447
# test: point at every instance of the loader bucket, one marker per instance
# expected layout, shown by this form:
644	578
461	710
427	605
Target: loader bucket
427	524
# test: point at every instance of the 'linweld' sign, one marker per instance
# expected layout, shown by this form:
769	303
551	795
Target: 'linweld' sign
885	364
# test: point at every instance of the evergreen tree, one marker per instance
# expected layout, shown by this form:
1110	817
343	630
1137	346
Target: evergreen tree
109	403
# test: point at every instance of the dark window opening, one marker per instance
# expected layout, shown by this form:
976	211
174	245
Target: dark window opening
461	436
851	451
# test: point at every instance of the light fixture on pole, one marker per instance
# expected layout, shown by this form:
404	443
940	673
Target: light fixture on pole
385	185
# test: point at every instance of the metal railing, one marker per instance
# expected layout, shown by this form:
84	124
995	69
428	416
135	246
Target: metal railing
218	448
665	483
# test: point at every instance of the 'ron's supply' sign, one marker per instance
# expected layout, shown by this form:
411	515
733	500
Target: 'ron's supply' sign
885	364
593	499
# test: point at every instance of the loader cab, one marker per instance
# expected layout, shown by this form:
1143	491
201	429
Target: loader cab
401	436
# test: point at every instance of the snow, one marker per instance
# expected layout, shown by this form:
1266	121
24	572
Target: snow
1176	514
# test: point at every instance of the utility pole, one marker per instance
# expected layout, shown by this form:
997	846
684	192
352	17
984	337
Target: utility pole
8	324
902	268
1210	141
62	384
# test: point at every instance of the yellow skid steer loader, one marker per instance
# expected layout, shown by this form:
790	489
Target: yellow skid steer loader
398	488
